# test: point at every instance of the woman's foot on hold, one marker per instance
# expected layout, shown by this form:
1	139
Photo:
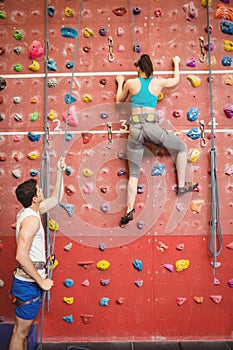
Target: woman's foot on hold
126	218
188	187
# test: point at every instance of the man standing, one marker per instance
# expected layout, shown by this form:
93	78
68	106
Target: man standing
29	279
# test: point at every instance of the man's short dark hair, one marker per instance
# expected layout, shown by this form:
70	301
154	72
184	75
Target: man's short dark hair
26	191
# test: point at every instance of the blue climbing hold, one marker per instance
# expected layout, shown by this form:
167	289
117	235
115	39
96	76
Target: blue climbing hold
68	208
137	264
227	61
68	319
69	99
51	64
158	169
33	172
140	224
69	65
192	114
226	27
33	137
105	282
194	133
68	283
51	11
69	32
104	115
104	301
68	170
68	136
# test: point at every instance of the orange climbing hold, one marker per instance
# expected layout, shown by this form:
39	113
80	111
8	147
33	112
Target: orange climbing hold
212	63
228	79
199	300
196	205
224	12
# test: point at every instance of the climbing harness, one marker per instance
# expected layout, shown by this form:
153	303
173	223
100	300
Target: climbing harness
202	56
111	56
18	302
215	239
203	141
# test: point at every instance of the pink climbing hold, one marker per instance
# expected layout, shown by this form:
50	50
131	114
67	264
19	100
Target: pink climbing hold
230	246
86	283
169	267
35	50
190	10
71	118
180	300
216	298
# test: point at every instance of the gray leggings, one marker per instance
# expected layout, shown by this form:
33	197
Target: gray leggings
145	128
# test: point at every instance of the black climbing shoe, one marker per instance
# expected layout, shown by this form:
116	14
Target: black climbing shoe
126	218
188	187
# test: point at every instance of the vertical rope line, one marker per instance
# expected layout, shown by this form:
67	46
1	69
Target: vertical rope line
133	29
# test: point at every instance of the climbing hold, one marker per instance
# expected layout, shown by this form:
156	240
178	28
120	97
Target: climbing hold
180	300
86	49
104	207
228	45
18	34
17	100
88	187
190	11
68	283
68	12
17	156
182	264
51	64
168	267
33	172
1	100
230	283
87	172
88	32
51	11
34	100
52	82
86	137
85	283
2	156
198	300
103	265
228	110
18	50
35	66
215	264
212	63
2	14
102	247
69	170
194	80
119	11
194	133
104	301
54	265
120	31
33	155
122	172
35	116
207	46
137	264
216	298
16	173
33	136
196	205
120	300
53	225
140	224
103	81
18	117
68	300
68	136
85	264
87	98
69	99
161	246
35	50
192	114
205	4
52	115
224	11
2	50
158	169
230	246
137	48
2	83
86	319
68	247
104	189
104	115
161	96
121	48
1	283
71	117
103	31
227	61
104	282
193	155
68	319
158	12
69	65
139	284
180	246
216	282
137	10
18	67
69	190
191	62
140	188
228	80
69	32
68	208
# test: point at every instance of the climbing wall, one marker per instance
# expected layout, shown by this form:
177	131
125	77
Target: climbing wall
154	279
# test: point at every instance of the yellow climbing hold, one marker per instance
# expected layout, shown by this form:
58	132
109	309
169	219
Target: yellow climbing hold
182	264
68	300
88	32
33	155
68	12
87	98
53	225
35	66
212	63
194	155
204	3
52	114
103	265
228	45
54	264
196	205
194	80
161	96
87	172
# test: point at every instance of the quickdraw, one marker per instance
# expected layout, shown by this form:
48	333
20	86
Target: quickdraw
202	46
110	45
109	127
202	128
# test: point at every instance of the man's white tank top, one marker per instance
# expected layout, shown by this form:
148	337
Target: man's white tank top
37	251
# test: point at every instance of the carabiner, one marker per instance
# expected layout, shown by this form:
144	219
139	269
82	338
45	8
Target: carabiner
110	45
203	141
202	57
109	127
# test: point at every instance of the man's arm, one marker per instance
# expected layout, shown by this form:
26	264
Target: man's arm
170	82
122	89
49	203
28	229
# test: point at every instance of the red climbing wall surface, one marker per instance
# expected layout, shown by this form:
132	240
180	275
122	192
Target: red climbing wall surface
141	295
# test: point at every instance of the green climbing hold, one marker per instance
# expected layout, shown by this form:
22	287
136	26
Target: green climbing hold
18	67
18	34
34	116
2	14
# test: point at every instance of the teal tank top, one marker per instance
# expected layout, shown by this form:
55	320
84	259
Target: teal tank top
144	98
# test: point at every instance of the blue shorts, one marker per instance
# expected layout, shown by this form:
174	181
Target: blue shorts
27	291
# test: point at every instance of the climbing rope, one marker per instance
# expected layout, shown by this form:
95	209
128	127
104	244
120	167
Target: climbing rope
215	238
133	30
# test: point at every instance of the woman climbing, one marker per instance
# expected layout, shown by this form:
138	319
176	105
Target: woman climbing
144	127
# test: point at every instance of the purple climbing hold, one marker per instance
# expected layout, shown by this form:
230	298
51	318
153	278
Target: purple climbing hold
230	283
140	224
191	62
103	31
137	48
105	282
122	172
228	110
141	188
206	46
137	10
104	207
